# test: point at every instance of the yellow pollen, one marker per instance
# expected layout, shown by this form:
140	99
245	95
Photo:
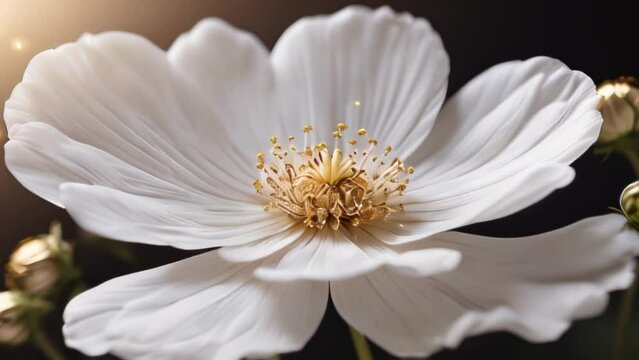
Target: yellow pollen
308	128
291	138
410	170
342	127
273	140
388	149
337	134
352	142
362	132
259	165
257	185
372	141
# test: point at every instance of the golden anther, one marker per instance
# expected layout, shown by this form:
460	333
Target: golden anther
357	103
337	134
308	128
388	149
290	138
362	132
352	142
273	140
277	146
259	165
293	148
342	127
410	169
257	185
260	155
372	141
308	151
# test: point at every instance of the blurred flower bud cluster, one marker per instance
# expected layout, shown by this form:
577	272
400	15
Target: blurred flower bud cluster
34	273
619	107
38	263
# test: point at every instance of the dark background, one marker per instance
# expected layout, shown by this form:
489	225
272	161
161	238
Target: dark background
598	38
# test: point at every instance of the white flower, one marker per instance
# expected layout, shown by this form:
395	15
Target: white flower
159	148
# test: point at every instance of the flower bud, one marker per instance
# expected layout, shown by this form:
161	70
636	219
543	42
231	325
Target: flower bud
13	330
37	262
629	202
619	107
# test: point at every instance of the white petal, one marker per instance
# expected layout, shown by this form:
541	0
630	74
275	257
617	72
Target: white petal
232	69
395	65
491	194
198	308
185	225
42	169
331	255
532	286
118	93
508	135
264	247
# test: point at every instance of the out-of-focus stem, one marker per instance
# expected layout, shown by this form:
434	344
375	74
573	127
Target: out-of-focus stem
361	345
41	340
625	316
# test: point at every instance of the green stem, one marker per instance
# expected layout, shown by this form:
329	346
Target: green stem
40	339
623	323
361	345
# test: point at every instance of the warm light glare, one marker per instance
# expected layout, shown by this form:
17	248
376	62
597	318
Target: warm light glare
18	44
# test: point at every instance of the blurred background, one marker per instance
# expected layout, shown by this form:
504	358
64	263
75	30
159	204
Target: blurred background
597	38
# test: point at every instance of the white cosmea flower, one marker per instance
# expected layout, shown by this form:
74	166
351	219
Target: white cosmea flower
160	148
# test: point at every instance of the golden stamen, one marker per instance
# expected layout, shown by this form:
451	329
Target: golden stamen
321	188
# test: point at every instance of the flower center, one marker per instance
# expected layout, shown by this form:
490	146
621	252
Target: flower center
321	187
